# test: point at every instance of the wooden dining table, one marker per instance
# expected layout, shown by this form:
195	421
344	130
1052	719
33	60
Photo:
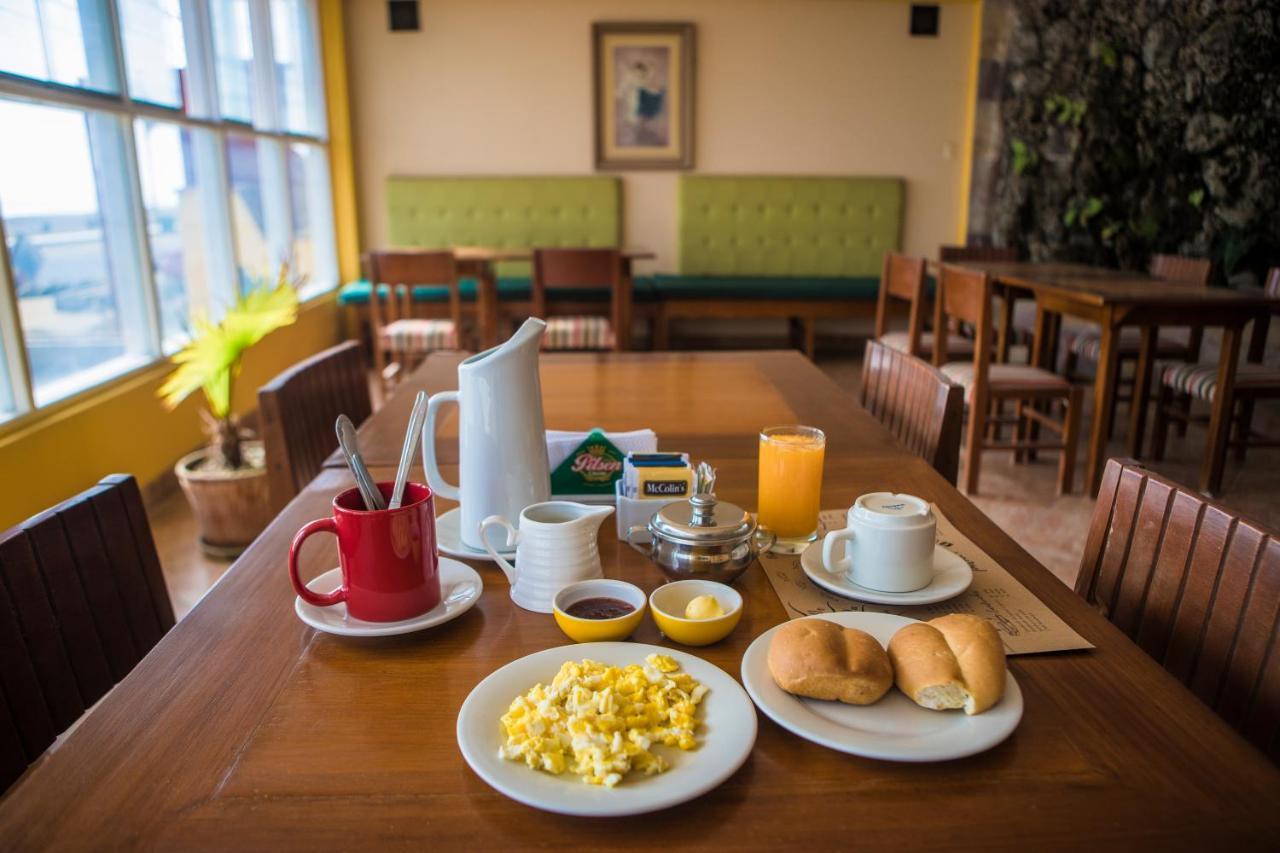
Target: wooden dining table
1114	299
478	263
245	729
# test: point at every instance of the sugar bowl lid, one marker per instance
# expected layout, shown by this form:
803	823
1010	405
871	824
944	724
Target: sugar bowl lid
702	520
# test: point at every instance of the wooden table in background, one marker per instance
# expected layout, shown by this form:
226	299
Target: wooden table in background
1114	299
477	262
244	729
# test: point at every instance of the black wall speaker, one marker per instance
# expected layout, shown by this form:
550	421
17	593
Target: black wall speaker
924	19
403	15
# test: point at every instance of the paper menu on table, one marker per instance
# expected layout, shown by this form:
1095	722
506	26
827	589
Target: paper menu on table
1025	623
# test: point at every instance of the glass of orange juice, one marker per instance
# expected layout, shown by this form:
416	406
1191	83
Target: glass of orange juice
790	486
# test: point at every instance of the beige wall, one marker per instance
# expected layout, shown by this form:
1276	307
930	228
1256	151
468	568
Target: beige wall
783	86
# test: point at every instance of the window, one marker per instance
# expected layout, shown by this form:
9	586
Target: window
198	167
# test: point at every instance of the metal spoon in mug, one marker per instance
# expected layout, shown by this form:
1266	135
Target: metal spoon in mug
416	420
351	450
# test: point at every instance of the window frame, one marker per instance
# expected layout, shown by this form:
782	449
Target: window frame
203	116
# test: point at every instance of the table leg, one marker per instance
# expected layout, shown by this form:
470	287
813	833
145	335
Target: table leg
1220	418
1104	398
1141	388
487	307
1039	344
622	305
1006	327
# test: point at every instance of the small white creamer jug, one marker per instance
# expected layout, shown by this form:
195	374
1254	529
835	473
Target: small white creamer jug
556	545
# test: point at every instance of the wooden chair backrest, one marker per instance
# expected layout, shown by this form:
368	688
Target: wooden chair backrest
1181	268
902	280
400	271
995	254
558	268
82	600
1196	586
298	409
964	295
919	405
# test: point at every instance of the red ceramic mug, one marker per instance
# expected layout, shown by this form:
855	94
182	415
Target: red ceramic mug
390	568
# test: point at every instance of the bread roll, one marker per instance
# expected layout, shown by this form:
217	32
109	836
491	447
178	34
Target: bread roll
954	661
821	660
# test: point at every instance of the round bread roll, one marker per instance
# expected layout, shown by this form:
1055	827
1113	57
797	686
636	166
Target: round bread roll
954	661
821	660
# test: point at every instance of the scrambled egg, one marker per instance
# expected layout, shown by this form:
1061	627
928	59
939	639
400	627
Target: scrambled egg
601	721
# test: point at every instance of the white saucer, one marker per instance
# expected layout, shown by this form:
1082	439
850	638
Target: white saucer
460	587
951	576
449	539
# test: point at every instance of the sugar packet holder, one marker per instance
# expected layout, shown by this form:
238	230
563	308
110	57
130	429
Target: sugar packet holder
633	512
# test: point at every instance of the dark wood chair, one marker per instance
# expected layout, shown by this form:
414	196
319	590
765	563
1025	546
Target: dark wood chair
1196	586
902	281
82	600
298	408
1180	384
1006	330
965	295
917	402
583	269
395	331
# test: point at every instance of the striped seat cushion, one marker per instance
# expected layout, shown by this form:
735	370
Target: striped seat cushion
419	335
589	333
1024	324
1087	343
1201	380
956	344
1008	378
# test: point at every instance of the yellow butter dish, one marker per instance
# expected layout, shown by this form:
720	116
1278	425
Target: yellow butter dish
671	602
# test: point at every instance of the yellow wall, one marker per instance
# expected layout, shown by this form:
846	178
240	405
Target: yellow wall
123	428
783	86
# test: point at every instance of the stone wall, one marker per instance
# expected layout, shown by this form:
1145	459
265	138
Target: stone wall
1111	129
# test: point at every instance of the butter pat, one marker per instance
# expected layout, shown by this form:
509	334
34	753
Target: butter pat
703	607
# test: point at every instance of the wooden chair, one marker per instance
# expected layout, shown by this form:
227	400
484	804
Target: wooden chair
82	600
583	268
917	402
1005	331
903	281
965	295
1182	383
298	408
399	333
1196	586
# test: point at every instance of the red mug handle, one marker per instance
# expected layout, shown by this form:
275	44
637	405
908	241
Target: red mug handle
328	599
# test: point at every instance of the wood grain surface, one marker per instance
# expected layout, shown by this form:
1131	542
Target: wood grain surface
246	729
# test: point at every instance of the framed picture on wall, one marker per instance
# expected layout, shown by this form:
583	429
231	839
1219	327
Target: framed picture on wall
643	76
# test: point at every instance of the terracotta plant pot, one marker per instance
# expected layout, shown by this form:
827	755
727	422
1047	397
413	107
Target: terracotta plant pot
232	507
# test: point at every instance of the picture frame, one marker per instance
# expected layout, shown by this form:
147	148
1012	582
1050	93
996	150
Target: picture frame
643	94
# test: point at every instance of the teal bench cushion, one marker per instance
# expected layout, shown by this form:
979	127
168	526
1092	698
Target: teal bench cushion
513	288
765	287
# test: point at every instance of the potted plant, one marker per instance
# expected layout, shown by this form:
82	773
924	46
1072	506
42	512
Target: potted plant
226	482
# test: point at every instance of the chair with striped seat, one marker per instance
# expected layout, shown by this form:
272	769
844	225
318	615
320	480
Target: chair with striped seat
902	281
581	268
1181	383
965	295
399	334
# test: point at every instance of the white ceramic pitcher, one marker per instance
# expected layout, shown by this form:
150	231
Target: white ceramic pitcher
556	545
502	451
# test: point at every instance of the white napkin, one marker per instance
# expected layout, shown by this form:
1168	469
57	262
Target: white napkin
560	443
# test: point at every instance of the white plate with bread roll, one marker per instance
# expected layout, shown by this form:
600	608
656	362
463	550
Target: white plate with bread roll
939	691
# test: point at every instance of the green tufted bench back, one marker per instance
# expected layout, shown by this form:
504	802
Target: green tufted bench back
792	227
505	212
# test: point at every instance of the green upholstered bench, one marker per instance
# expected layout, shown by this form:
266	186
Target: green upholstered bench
357	292
798	247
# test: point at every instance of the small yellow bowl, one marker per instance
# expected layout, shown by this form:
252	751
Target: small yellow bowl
669	601
599	630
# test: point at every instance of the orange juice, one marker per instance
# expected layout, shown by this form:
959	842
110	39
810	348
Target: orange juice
790	485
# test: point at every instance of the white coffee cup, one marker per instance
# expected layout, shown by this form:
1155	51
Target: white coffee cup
887	545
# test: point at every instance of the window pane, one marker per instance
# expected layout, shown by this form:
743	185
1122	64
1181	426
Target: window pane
258	218
155	55
233	53
62	41
311	248
293	43
68	230
169	165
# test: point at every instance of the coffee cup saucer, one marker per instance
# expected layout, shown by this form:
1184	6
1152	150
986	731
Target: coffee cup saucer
460	588
951	576
449	539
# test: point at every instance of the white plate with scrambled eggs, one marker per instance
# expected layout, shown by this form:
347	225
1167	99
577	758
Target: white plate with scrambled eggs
606	729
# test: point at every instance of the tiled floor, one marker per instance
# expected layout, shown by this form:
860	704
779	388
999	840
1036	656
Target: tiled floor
1020	498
